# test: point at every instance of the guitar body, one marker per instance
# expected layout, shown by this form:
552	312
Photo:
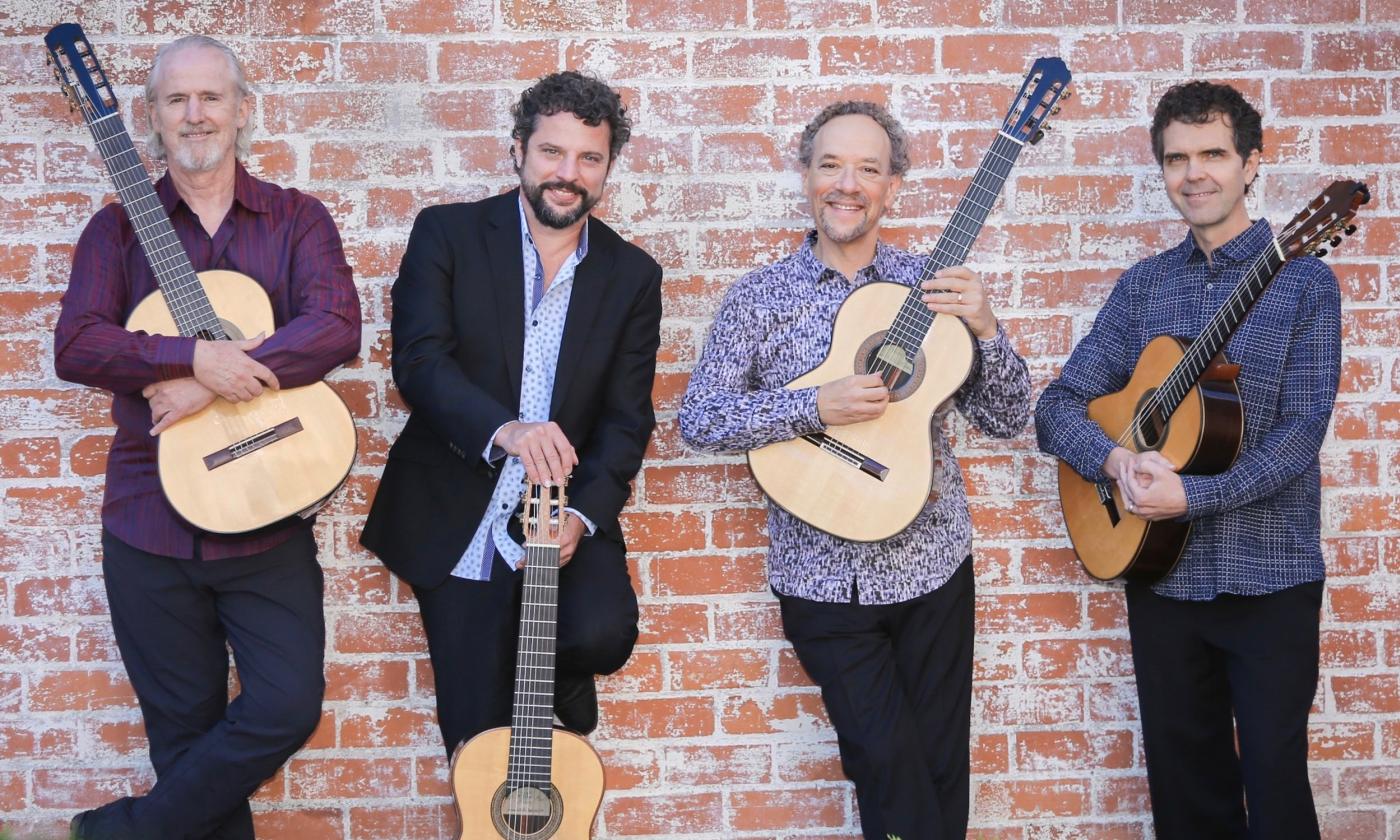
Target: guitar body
293	470
1203	437
828	492
479	769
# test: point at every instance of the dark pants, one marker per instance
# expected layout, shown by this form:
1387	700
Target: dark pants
472	628
897	682
172	620
1211	671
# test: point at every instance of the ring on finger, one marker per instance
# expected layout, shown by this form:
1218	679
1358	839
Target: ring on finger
959	297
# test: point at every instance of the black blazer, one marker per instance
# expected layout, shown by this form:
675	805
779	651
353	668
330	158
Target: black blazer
458	340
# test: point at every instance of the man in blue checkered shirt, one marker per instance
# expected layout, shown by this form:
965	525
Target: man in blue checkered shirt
1226	645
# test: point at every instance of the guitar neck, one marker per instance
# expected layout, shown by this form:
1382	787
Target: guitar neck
532	720
184	295
1222	325
914	319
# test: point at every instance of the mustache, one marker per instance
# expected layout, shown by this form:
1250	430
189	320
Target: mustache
844	198
561	185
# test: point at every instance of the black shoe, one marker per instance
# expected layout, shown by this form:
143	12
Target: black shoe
576	703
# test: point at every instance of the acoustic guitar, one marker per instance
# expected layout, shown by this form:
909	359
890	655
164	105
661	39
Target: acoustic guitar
530	781
1183	401
233	467
868	481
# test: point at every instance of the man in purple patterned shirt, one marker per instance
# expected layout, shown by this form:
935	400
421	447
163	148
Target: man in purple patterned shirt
179	597
884	628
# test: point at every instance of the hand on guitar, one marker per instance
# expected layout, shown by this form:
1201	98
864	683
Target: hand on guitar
852	399
1148	482
173	400
543	449
225	368
961	294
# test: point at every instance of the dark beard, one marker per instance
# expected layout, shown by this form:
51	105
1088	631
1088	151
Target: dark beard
548	215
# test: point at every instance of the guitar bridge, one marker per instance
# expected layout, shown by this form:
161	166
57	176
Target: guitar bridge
854	457
1106	499
251	444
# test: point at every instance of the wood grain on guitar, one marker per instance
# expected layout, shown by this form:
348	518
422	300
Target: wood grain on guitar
530	781
1182	400
868	481
233	467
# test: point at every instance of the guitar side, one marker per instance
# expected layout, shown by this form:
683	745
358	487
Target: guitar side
478	773
1202	437
828	492
269	483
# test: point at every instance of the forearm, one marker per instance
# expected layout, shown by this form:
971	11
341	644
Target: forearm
998	396
100	354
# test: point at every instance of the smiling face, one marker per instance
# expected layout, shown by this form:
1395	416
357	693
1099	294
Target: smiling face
1206	179
849	181
198	110
563	168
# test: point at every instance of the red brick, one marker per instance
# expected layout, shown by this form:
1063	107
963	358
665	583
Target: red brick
441	17
1335	741
1172	11
1330	97
59	691
1016	704
641	674
852	55
1040	798
1376	785
430	822
681	15
1078	659
617	59
1225	52
685	717
629	769
311	17
707	575
1284	11
1082	195
389	727
1350	468
1363	602
808	762
1127	52
773	58
672	623
796	104
168	17
85	787
304	824
695	813
496	61
1072	750
59	596
712	669
357	161
933	13
755	810
280	62
1369	694
378	62
710	106
718	765
351	778
29	458
326	111
784	712
1067	13
1365	511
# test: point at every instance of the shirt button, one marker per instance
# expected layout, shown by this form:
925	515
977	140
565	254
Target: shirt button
504	505
534	323
1210	285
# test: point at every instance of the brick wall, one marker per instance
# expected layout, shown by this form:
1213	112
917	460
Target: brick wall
382	106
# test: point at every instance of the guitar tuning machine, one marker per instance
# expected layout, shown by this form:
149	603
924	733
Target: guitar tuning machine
1350	229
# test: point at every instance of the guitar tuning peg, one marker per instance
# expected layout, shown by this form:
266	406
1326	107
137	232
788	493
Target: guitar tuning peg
1054	111
1350	229
1321	252
1336	240
1038	136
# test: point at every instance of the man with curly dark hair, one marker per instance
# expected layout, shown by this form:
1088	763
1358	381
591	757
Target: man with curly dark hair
1225	647
524	340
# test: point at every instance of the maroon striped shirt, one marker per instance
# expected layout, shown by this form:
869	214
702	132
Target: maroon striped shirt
284	239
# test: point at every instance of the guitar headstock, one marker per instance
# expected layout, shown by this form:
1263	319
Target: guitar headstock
542	514
1323	223
78	72
1045	85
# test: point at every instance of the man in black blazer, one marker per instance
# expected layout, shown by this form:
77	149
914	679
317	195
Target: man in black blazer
524	340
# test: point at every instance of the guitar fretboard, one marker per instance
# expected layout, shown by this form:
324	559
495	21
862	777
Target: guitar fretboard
532	720
912	323
184	296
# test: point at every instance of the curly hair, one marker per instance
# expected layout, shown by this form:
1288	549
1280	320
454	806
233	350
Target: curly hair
1200	102
586	97
899	141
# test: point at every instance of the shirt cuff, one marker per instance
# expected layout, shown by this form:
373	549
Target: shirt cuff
997	343
493	453
174	356
808	420
1202	495
587	523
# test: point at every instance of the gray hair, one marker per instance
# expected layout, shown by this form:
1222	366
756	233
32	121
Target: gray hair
899	141
243	142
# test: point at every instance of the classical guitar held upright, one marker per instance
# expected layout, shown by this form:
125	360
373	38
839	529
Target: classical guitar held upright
1183	401
868	481
233	467
530	781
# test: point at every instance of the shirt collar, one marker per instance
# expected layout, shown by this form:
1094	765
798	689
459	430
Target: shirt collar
881	267
1245	246
579	253
248	191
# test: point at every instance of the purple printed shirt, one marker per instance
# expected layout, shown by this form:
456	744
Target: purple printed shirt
775	325
284	239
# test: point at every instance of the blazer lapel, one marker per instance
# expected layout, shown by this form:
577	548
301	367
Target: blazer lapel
590	284
506	283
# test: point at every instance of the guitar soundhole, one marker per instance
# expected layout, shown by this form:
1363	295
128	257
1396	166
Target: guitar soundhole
1151	430
874	356
527	812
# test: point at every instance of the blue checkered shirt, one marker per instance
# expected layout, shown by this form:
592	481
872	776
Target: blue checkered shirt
1256	525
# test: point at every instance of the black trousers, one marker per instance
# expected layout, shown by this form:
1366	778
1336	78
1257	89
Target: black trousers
174	621
473	626
897	683
1211	671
